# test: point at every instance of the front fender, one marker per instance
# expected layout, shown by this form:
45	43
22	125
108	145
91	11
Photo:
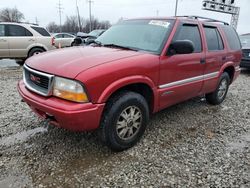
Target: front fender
118	84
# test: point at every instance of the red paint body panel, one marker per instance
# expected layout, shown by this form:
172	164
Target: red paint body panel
142	68
105	70
68	115
72	61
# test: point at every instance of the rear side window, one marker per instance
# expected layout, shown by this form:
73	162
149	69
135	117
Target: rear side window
18	31
41	31
232	37
192	33
67	36
213	38
2	31
59	36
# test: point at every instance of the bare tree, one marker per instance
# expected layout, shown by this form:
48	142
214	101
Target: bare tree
96	24
11	15
53	27
71	25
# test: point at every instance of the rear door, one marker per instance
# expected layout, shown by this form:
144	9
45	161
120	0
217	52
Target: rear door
19	40
181	75
68	39
4	44
216	55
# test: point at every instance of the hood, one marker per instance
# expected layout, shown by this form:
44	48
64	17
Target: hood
69	62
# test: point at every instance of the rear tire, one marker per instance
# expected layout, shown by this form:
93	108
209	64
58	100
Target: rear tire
124	121
35	51
219	95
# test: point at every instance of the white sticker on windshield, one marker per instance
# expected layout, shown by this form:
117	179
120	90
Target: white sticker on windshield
159	23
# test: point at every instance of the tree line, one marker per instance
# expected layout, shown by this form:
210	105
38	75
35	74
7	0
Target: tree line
71	24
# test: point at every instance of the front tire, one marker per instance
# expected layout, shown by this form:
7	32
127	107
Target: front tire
35	51
219	95
124	121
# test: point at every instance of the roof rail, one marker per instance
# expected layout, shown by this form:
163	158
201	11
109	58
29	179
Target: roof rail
21	23
204	18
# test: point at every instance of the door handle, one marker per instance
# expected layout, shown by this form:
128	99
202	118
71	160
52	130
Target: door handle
203	61
3	40
31	40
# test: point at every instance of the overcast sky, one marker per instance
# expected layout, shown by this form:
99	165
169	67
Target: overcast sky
46	10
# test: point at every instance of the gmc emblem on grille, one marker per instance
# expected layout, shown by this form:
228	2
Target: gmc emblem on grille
35	78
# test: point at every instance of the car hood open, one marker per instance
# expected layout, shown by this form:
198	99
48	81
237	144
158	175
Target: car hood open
69	62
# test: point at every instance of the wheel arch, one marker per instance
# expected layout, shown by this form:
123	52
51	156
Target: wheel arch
138	84
230	69
33	47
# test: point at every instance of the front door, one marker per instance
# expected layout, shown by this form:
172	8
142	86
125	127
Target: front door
181	75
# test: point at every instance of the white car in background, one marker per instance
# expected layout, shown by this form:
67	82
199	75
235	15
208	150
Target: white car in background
62	40
22	40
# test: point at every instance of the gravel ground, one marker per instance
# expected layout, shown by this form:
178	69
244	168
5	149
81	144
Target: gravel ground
192	144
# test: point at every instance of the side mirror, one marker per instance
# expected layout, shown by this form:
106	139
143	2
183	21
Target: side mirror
181	47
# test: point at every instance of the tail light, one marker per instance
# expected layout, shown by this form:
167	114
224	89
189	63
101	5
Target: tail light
53	41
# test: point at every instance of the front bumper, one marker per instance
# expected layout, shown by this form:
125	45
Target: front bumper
62	113
245	63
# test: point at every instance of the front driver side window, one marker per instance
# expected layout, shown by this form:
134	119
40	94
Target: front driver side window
192	33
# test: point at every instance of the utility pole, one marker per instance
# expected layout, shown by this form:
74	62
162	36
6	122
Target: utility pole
157	13
176	7
78	16
37	22
60	14
90	15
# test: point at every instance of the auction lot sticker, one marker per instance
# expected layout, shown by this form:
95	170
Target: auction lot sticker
159	23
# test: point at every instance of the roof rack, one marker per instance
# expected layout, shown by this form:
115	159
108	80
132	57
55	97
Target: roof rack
204	18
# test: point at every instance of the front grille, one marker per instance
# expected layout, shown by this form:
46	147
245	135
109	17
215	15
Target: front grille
246	53
37	82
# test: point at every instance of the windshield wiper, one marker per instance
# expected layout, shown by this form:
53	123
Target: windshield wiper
119	46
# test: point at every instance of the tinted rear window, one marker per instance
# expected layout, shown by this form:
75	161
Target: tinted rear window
232	37
213	38
41	31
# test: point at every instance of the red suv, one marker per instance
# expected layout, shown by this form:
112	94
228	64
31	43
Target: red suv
136	68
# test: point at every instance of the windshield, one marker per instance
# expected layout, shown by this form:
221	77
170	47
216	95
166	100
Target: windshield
245	41
145	35
95	33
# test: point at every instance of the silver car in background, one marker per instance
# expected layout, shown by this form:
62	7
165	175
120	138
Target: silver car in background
62	40
21	40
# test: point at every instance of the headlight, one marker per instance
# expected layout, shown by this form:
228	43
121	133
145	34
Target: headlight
69	90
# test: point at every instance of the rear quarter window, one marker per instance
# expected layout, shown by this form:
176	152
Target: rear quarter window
232	37
41	31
